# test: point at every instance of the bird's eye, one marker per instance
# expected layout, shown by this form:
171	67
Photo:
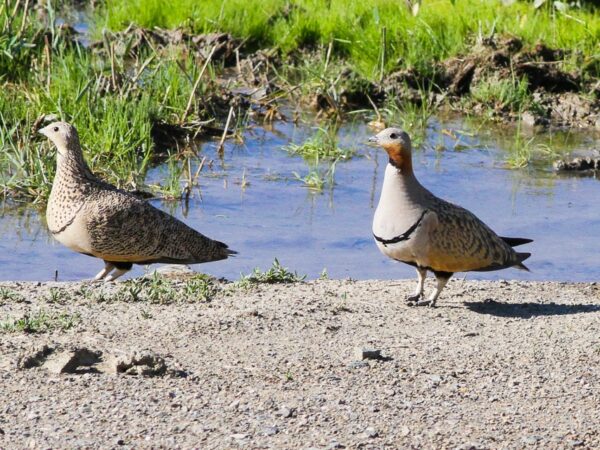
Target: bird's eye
55	129
393	136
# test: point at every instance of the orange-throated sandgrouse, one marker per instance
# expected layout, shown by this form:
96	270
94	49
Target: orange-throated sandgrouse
95	218
413	226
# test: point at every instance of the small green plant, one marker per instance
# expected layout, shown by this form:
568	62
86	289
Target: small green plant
153	289
276	274
7	294
40	322
322	146
503	95
524	151
157	289
57	295
200	287
318	177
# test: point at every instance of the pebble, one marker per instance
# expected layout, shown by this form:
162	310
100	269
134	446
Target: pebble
361	353
286	412
270	431
530	440
371	432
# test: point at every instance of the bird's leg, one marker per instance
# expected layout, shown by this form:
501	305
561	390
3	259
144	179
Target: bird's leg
442	279
421	274
108	267
116	274
121	269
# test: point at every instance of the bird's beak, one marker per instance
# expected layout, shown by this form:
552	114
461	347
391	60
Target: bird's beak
374	139
43	131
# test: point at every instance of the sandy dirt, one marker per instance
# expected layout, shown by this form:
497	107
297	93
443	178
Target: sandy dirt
497	365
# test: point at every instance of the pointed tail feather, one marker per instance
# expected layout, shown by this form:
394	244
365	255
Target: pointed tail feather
522	257
514	242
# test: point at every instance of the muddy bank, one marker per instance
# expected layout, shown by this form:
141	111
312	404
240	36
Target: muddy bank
538	90
324	364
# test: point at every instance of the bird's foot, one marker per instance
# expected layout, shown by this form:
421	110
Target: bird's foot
414	299
428	302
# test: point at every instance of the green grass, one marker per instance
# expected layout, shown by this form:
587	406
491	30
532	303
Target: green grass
157	289
330	48
503	95
318	176
275	274
323	145
8	295
114	117
442	28
40	322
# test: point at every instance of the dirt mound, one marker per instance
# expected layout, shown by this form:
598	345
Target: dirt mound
76	359
550	95
135	40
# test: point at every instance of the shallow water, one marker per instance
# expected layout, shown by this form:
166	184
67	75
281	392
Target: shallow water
276	216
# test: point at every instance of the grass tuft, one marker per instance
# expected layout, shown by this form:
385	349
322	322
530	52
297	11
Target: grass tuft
275	274
40	322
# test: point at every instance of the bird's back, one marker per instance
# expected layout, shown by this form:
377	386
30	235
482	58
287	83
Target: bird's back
123	227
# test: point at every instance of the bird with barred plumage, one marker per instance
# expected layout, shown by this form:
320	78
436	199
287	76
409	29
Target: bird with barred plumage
413	226
97	219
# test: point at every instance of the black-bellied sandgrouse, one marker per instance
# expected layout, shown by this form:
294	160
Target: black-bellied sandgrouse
413	226
95	218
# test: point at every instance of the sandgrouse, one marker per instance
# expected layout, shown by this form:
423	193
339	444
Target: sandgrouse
413	226
95	218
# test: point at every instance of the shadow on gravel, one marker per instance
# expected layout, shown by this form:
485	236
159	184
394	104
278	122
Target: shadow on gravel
528	310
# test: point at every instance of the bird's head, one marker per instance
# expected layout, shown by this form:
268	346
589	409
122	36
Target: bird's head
63	135
396	143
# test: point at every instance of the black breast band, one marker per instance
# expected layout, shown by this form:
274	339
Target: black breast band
402	237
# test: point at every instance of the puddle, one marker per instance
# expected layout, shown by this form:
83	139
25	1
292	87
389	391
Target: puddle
275	216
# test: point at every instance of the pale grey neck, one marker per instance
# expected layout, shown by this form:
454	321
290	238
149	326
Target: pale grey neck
401	187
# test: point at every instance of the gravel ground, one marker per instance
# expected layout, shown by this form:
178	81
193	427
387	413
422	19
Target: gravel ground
497	365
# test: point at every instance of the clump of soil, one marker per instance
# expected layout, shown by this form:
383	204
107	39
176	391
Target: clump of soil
557	96
133	41
79	359
578	164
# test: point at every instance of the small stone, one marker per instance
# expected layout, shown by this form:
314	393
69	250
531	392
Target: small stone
576	443
404	431
238	436
530	440
286	412
361	353
371	432
435	379
120	442
270	431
